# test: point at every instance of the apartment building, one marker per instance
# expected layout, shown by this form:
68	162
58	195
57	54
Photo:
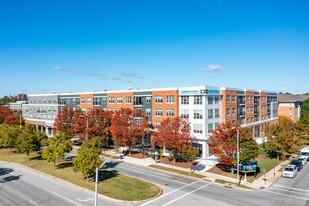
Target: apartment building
204	106
289	105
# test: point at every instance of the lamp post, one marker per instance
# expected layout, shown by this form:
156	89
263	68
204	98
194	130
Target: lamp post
238	181
97	179
87	128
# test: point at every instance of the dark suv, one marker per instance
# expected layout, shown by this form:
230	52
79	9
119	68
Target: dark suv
298	164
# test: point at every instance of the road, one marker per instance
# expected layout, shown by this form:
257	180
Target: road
21	186
297	188
184	191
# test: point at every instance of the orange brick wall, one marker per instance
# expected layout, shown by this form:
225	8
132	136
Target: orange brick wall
264	103
249	104
230	105
164	106
116	106
86	105
285	111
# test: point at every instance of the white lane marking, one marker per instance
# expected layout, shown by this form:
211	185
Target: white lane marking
187	194
34	203
291	188
85	200
170	192
285	195
290	191
54	193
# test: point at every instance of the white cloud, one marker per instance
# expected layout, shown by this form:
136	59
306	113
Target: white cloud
213	68
127	81
113	77
57	68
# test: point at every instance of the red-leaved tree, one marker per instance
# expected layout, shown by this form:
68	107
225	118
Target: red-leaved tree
173	134
64	121
4	113
128	126
13	119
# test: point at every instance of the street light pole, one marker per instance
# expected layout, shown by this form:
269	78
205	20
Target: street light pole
97	180
238	156
87	129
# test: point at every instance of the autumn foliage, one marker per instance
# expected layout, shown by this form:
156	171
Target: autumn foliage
64	121
173	134
128	126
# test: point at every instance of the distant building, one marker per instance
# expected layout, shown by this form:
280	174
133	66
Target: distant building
16	105
289	105
21	96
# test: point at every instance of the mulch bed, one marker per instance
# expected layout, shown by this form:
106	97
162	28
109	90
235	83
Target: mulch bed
179	162
220	169
136	155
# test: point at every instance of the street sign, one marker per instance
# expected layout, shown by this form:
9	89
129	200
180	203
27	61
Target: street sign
264	171
20	126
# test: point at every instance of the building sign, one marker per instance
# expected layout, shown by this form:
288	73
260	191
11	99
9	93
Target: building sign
202	91
213	91
190	92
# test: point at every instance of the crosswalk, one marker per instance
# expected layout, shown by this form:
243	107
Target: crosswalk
289	191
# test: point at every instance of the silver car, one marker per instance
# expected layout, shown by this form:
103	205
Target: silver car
289	171
303	160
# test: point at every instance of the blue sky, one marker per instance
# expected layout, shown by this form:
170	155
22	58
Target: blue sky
73	46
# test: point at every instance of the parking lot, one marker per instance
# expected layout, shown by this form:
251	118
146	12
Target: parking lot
297	187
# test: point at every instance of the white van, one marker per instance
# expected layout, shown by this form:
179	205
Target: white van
305	153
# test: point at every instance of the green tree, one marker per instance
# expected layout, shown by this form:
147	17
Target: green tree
29	141
8	136
304	108
88	158
57	147
190	153
249	149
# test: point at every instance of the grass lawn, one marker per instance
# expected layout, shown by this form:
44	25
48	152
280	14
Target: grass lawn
111	184
240	186
178	171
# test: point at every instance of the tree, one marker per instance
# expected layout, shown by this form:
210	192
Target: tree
190	153
88	158
282	140
8	136
4	113
57	147
223	143
64	121
302	127
29	141
173	134
304	108
128	126
13	119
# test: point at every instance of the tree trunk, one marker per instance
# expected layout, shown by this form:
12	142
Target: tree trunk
87	177
174	160
27	157
129	150
54	163
8	150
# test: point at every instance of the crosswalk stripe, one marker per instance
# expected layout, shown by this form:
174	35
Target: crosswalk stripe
286	195
291	188
296	192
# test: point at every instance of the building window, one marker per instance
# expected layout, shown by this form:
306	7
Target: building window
55	101
157	125
248	121
228	98
210	127
262	99
39	100
30	101
290	108
198	99
217	113
234	98
96	101
88	110
251	109
210	113
82	100
216	99
228	111
251	119
210	99
234	122
49	101
128	100
198	128
158	112
34	101
248	98
138	101
49	109
158	99
104	100
119	100
111	100
111	110
216	125
233	111
44	101
148	100
89	100
55	109
248	109
184	99
184	113
197	114
148	112
170	112
251	98
169	99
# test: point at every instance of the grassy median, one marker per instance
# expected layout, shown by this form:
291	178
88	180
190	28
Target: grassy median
111	184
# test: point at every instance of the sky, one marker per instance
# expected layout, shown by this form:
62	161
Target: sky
77	46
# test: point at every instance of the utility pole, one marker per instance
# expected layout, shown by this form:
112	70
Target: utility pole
238	181
87	129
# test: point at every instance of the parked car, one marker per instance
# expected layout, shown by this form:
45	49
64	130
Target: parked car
305	153
40	150
298	164
289	171
303	160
